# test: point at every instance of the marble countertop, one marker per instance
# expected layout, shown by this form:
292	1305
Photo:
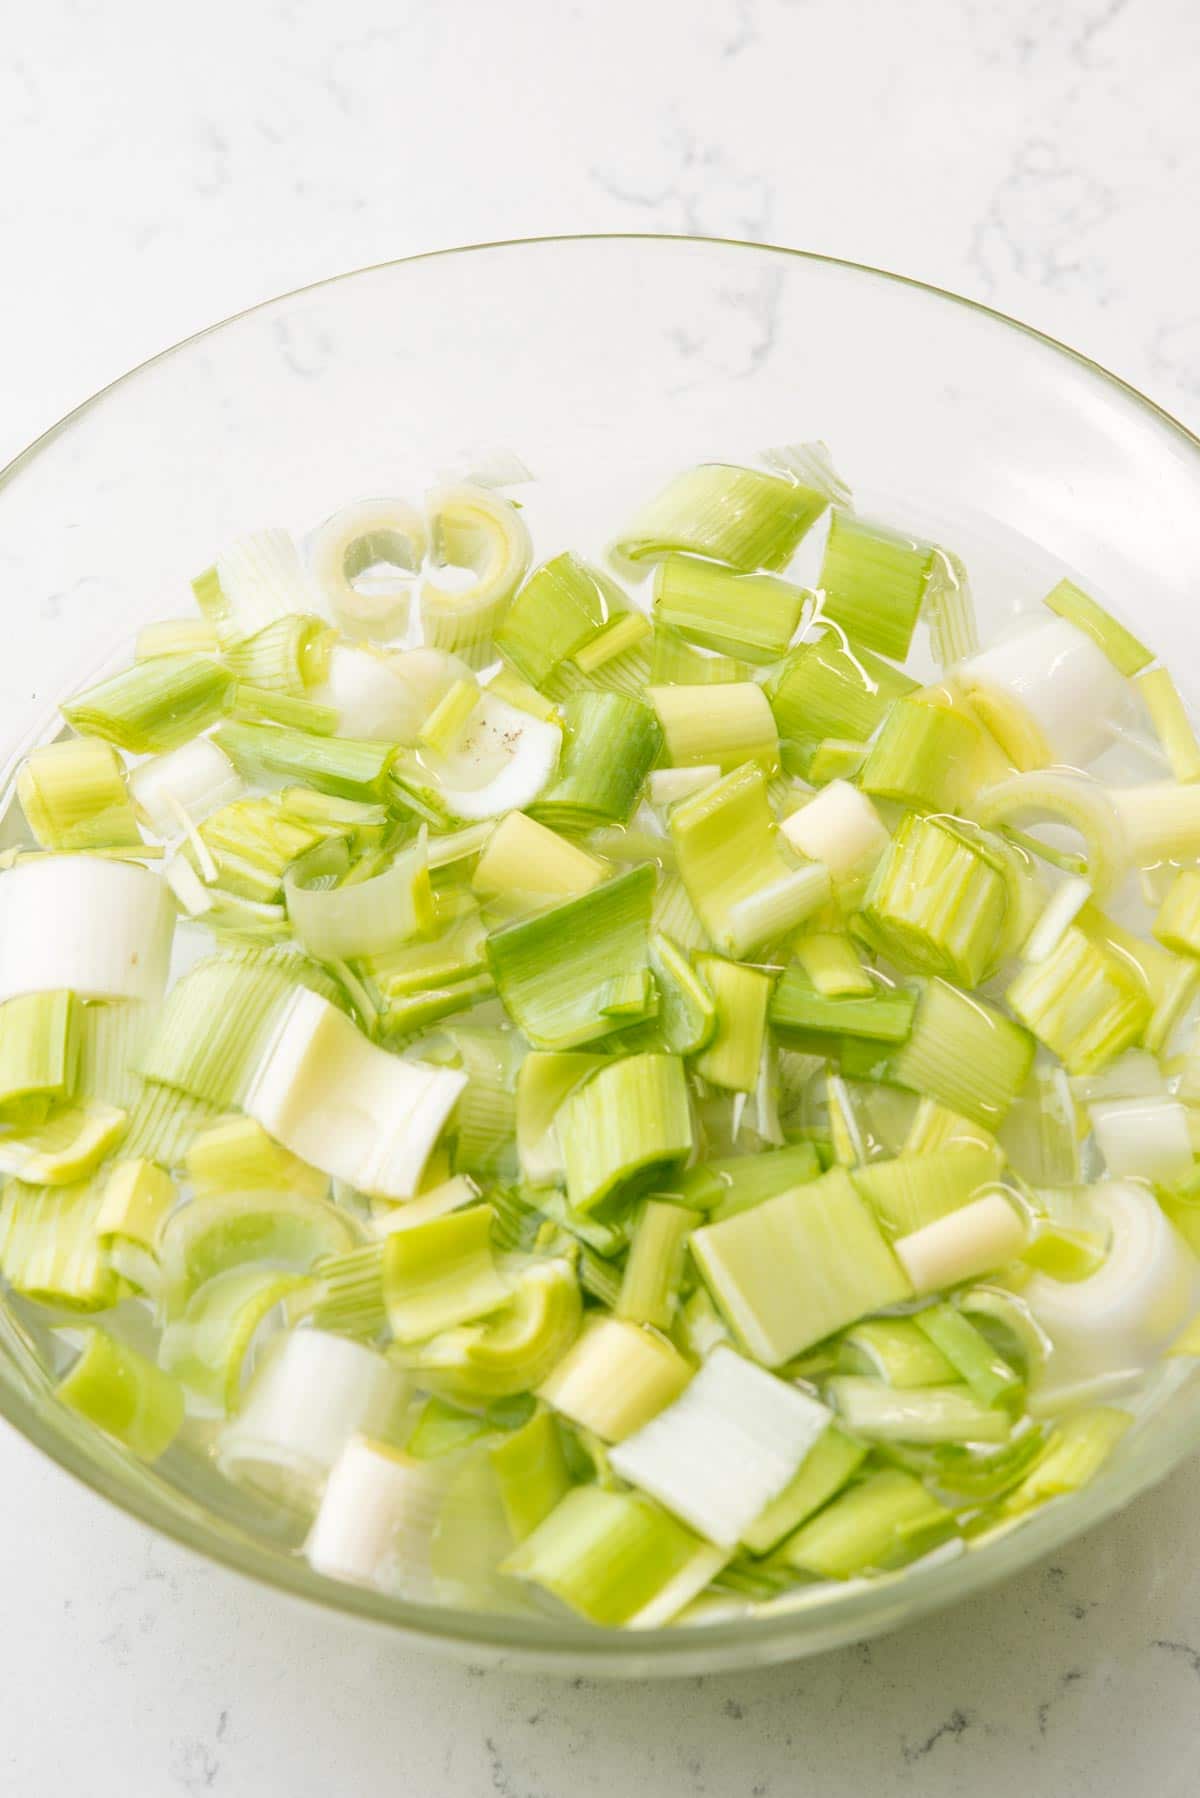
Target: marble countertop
164	168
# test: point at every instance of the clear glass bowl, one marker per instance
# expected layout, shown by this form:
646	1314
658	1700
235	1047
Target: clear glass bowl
596	359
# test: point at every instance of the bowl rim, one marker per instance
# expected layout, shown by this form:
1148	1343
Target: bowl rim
862	1609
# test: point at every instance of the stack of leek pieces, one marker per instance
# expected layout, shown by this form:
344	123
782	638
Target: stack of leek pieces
627	1103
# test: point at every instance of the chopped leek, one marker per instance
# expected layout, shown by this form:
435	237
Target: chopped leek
886	1518
471	528
1076	1450
610	745
531	1470
964	1053
874	583
740	995
181	788
876	1412
560	608
350	550
925	756
237	1155
552	970
615	1558
650	1286
824	689
1171	723
937	904
754	616
343	922
123	1394
914	1190
797	1267
725	1448
840	827
615	1378
78	923
154	705
286	659
1082	1002
722	726
515	1348
74	796
66	1147
39	1054
894	1350
737	516
829	1464
1049	695
440	1274
974	1239
622	1127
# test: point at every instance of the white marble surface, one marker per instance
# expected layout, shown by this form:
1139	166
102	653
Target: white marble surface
162	168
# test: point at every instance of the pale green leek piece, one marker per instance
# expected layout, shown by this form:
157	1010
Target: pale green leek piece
606	1088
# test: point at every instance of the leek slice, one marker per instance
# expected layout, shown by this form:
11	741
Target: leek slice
833	967
650	1284
1124	651
1123	1316
754	616
1077	801
66	1147
965	1054
1048	695
829	1464
154	705
440	1274
138	1195
74	796
100	929
725	1448
187	784
552	970
377	1518
740	996
469	527
719	726
124	1395
797	1267
874	583
615	1558
1082	1002
343	1105
926	756
687	1012
206	1348
737	516
256	705
894	1350
724	838
560	608
40	1051
214	1233
544	1082
987	1373
876	1412
500	761
972	1240
257	579
238	1156
937	904
531	1471
610	744
310	1393
50	1248
628	1122
887	1518
219	1021
515	1349
285	659
840	827
340	766
676	661
800	1013
370	916
823	689
615	1378
352	546
529	865
1161	821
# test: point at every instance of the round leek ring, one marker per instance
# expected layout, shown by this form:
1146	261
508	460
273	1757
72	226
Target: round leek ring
516	1349
377	530
472	528
1121	1318
211	1234
1072	799
207	1349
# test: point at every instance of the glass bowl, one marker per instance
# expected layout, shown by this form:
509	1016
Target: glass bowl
597	360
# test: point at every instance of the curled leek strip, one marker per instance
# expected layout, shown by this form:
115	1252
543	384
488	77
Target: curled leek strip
1121	1318
1072	799
387	532
473	529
